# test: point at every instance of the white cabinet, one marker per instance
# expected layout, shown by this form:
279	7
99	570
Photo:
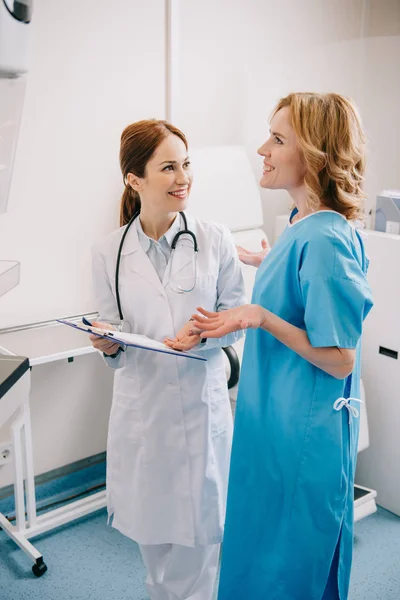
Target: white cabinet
378	465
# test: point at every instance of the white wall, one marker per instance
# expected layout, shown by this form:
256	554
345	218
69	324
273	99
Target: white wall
96	66
238	58
381	113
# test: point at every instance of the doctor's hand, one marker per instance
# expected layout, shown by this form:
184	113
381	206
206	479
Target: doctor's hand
218	324
186	339
253	258
100	343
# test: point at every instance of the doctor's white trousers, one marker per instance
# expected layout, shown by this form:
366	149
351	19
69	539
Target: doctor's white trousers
180	572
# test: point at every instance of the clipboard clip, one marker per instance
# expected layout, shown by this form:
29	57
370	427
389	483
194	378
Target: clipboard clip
96	329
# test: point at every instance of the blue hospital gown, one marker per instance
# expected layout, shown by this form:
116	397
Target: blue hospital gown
290	499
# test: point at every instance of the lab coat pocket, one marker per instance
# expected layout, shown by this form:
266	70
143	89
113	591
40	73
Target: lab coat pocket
127	410
207	282
202	284
205	293
126	390
220	412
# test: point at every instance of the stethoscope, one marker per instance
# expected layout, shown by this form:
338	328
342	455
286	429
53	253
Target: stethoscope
178	289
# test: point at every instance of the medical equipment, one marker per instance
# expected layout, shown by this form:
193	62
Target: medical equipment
14	23
15	18
387	215
46	343
179	289
14	26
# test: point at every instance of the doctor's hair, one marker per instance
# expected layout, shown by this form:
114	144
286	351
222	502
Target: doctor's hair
330	136
139	141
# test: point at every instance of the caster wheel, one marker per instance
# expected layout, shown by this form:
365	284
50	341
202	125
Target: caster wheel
39	568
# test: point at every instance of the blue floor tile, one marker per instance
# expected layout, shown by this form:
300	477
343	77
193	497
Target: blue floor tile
88	560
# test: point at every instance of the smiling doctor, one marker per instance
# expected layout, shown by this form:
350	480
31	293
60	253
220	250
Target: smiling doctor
170	426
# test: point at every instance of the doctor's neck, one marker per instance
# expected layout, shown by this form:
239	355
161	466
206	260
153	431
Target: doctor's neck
155	224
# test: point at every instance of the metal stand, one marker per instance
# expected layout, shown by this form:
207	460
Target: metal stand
15	405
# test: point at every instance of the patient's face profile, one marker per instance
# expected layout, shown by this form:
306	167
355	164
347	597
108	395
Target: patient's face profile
283	166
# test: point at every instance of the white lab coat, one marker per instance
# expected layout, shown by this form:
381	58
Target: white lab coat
170	426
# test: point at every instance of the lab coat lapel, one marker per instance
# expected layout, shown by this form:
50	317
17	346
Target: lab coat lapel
137	260
181	262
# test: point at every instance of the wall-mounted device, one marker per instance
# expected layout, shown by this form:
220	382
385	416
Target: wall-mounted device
15	18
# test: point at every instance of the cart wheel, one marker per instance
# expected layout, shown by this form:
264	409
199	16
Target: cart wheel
39	568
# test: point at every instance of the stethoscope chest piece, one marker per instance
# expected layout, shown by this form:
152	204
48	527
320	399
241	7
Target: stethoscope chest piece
182	270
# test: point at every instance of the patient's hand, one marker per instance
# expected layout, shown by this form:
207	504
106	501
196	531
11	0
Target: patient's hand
219	324
254	258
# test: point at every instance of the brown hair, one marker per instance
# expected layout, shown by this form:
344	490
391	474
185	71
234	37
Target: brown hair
139	141
330	137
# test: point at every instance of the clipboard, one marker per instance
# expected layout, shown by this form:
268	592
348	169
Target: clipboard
132	340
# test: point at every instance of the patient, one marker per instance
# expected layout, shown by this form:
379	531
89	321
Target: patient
289	526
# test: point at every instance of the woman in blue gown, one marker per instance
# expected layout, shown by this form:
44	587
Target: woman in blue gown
289	524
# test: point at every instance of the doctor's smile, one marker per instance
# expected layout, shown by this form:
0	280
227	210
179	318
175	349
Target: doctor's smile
182	194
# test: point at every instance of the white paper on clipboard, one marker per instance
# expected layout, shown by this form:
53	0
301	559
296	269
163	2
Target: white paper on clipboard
133	340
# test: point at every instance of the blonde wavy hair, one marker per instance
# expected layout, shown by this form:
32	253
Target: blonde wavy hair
330	137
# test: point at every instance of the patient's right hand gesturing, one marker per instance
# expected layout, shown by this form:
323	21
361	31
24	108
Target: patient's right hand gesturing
253	258
102	344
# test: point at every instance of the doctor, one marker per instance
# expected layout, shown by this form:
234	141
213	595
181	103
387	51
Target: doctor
170	426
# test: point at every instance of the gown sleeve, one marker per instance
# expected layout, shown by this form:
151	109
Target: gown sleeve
335	291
